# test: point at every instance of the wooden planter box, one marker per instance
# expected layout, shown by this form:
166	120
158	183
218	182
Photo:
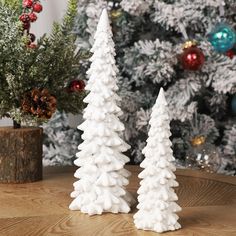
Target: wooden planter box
20	154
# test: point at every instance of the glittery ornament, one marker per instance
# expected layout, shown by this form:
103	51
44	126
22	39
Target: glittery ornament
222	38
115	9
76	86
198	140
205	157
116	13
192	58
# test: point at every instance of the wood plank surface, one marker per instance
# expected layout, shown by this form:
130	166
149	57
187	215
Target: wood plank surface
41	208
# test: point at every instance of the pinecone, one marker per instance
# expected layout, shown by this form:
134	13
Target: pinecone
39	102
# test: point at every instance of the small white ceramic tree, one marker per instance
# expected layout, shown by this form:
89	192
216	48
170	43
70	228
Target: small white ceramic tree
156	196
102	176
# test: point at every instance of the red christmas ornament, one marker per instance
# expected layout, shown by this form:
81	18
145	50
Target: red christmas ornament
76	86
230	53
24	18
37	7
33	17
28	3
192	58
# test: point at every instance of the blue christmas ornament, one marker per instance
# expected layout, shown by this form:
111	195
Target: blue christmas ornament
233	104
222	38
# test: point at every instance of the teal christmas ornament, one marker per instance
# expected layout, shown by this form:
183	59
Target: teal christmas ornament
222	37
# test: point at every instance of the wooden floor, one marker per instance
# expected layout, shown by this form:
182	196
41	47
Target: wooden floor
41	208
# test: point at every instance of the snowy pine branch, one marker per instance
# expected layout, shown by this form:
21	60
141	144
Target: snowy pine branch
136	7
230	141
149	60
190	14
182	107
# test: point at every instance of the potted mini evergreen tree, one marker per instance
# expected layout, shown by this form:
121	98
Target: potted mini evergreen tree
35	81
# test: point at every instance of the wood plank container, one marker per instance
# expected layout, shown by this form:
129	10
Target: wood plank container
20	154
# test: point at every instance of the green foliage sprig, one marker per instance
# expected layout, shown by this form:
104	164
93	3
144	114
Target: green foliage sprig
13	4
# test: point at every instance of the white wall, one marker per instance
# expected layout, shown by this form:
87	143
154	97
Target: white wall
53	10
5	122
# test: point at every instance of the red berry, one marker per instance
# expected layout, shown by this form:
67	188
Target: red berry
24	18
28	3
26	25
33	17
32	37
77	85
37	7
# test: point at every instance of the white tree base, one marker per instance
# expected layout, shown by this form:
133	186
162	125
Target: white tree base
159	228
97	208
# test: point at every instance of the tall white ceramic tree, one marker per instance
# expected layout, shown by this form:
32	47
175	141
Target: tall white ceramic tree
157	198
102	176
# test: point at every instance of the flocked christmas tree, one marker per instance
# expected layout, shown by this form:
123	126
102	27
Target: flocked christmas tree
102	176
148	37
157	198
60	141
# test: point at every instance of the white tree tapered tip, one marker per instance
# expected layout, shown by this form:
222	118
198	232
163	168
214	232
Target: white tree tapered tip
103	24
161	96
104	13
